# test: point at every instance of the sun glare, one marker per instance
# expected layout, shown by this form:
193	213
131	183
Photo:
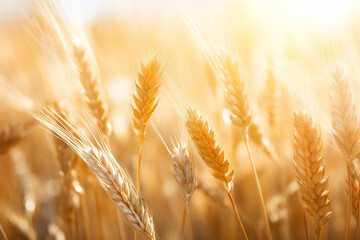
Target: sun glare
315	12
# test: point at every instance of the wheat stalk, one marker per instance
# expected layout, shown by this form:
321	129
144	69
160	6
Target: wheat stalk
114	180
2	233
20	223
238	104
212	154
86	69
310	170
144	99
345	126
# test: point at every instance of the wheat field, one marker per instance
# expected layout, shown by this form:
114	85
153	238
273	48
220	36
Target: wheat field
172	119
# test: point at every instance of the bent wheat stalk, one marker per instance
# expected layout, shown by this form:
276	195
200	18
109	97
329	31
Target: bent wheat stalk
345	126
144	100
310	170
212	154
114	180
240	115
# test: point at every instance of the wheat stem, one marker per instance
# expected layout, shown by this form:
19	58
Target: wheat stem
183	223
2	233
138	169
268	232
188	219
358	223
306	227
237	214
318	234
348	219
85	215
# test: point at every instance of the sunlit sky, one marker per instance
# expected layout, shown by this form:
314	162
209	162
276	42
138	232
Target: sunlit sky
295	11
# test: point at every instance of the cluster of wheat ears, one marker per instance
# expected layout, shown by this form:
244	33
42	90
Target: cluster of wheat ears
282	166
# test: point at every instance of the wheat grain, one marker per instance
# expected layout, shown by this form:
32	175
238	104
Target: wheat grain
114	180
310	170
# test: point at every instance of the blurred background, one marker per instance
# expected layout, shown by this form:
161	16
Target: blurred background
286	50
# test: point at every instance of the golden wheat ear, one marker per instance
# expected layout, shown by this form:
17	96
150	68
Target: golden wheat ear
144	100
310	170
86	70
236	97
144	95
210	152
114	180
241	117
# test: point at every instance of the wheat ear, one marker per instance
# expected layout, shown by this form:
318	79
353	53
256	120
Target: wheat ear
183	167
238	104
144	99
345	126
184	174
236	97
114	180
212	154
310	170
87	73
